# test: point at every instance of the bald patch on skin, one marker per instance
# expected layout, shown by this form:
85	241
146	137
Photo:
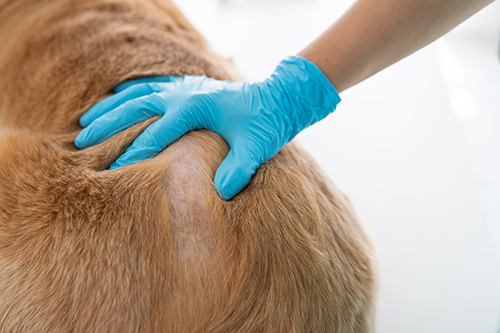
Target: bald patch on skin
190	221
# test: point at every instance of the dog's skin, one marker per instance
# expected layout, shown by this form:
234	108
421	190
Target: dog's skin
151	247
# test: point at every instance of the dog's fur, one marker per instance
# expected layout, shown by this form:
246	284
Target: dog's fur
151	247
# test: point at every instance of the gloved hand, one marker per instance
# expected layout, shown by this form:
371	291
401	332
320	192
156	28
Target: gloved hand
255	119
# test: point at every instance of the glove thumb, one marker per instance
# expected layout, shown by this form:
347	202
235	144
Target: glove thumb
235	172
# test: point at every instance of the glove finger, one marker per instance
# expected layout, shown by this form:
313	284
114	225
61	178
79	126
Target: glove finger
155	138
235	171
117	120
113	102
151	79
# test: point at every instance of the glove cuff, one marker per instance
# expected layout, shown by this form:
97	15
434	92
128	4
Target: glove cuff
311	94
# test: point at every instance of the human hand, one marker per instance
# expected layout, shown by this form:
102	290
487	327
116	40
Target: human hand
255	119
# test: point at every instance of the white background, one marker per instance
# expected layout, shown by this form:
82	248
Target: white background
416	147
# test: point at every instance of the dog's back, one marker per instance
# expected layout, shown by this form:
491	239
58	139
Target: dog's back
151	247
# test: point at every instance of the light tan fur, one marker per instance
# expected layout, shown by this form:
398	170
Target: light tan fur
151	247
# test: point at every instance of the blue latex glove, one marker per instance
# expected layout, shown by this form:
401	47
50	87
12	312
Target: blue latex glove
255	119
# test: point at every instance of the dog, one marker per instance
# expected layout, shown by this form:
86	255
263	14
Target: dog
151	247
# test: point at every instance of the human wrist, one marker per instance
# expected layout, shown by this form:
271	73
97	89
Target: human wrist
310	95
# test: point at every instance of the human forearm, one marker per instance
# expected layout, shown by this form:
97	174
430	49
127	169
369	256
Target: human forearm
373	34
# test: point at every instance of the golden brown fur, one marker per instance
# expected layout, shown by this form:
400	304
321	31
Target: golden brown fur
151	247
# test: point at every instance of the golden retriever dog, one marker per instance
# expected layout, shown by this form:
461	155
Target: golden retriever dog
151	247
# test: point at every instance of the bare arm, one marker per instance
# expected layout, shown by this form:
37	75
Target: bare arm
374	34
